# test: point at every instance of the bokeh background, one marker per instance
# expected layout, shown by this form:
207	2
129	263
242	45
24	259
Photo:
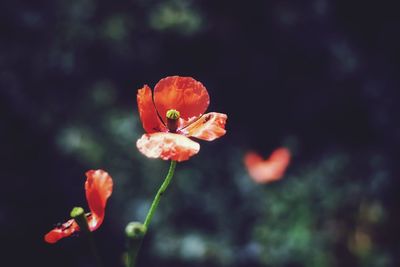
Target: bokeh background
319	77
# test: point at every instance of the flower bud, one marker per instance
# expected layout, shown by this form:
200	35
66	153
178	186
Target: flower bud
135	230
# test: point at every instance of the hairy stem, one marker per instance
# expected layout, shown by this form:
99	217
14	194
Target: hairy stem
135	231
160	192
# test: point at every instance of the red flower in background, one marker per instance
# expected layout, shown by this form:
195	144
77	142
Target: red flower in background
98	188
175	113
271	169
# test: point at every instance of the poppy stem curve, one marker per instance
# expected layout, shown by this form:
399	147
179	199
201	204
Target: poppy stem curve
136	231
160	192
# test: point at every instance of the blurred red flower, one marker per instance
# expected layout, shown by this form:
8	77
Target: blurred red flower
98	188
269	170
185	100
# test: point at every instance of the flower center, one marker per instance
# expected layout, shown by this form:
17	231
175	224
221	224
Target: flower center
172	120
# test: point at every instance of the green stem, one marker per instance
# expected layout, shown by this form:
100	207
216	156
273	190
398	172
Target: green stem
80	217
160	192
134	232
93	248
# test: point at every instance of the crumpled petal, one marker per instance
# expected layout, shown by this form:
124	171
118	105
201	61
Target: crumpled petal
272	169
167	146
209	127
147	111
59	232
184	94
98	188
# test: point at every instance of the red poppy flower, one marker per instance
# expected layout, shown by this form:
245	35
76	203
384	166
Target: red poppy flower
98	188
271	169
176	113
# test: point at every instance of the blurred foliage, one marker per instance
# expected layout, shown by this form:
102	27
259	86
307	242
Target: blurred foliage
176	15
326	208
318	76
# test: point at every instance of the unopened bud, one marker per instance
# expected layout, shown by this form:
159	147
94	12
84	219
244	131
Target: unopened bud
135	230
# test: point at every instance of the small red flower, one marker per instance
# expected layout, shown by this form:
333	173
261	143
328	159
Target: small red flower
269	170
98	188
176	113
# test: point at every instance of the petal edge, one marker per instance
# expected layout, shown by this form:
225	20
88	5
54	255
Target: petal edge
184	94
167	146
209	127
147	111
98	187
65	230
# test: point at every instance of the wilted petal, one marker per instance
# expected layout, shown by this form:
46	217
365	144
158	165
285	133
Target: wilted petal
147	111
64	230
167	146
98	188
184	94
209	127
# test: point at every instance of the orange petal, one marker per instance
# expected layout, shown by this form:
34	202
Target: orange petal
66	229
209	127
167	146
251	159
148	114
272	169
98	188
184	94
281	156
265	172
